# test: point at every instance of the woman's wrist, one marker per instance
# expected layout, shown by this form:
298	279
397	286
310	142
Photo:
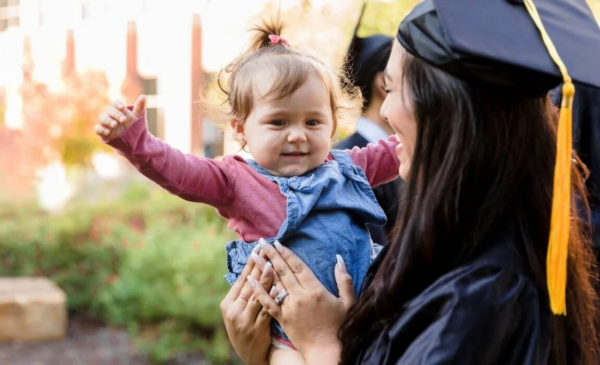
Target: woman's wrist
325	355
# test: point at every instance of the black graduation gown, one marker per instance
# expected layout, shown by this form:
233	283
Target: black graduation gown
486	312
386	194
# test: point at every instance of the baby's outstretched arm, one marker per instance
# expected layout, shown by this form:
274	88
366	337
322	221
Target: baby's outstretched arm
190	177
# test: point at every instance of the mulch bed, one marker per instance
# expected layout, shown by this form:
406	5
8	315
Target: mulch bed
88	342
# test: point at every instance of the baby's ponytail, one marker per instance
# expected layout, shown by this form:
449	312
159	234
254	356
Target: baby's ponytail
267	34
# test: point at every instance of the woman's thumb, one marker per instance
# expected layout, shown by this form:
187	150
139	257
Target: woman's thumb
344	283
139	108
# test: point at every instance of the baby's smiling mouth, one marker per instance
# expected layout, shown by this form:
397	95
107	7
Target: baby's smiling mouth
295	154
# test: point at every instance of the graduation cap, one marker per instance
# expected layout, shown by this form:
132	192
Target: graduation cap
526	47
366	57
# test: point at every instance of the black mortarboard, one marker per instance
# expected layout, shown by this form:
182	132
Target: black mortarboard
525	47
496	41
366	57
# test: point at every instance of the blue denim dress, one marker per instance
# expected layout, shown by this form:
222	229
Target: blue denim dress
327	209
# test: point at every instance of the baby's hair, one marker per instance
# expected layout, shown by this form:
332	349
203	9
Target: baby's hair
288	66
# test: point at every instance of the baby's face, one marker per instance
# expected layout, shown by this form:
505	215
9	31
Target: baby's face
291	136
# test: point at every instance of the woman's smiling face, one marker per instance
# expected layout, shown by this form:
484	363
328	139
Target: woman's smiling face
398	111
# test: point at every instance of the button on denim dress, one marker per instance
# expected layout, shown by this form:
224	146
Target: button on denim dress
327	209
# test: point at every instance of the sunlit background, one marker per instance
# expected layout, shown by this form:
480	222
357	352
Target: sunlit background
125	252
64	61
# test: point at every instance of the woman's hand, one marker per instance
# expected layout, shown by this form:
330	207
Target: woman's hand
310	315
246	321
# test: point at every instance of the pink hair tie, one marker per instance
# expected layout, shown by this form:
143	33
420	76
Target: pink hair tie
275	39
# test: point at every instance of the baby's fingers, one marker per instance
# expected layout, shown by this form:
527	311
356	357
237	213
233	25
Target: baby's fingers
101	131
117	114
107	122
133	113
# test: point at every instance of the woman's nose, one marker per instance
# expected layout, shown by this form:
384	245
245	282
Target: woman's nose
383	110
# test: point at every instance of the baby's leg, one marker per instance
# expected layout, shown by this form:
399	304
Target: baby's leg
283	356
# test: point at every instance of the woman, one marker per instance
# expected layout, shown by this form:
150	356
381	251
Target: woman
464	280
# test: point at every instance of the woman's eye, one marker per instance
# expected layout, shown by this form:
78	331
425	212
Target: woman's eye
312	123
385	89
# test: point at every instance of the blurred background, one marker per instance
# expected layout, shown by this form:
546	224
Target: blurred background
142	270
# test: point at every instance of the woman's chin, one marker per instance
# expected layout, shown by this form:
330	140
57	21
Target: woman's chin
404	171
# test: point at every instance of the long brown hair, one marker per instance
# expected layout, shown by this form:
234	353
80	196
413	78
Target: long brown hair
483	162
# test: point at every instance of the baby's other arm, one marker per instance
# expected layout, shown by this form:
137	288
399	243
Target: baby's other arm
378	160
190	177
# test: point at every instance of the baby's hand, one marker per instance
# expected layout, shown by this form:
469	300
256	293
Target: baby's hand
118	118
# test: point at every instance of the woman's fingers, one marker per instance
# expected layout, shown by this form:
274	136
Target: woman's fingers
247	291
265	299
266	281
344	283
263	318
242	281
259	260
282	269
237	287
302	274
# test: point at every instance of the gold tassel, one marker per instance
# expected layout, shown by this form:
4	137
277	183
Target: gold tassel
558	247
560	224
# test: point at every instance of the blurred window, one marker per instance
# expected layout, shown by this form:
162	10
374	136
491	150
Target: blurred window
9	14
93	8
154	113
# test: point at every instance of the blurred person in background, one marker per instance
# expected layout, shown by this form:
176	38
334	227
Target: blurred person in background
365	62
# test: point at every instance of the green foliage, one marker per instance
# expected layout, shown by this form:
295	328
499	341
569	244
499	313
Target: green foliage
147	261
167	275
383	17
60	247
595	6
170	338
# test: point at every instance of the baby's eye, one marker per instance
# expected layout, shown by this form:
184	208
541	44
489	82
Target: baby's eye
278	123
312	123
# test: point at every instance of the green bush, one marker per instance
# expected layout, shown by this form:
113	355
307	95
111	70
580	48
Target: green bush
147	261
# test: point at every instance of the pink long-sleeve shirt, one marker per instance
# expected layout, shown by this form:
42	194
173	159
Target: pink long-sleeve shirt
252	203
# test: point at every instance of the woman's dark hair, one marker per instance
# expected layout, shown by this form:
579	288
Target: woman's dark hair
483	162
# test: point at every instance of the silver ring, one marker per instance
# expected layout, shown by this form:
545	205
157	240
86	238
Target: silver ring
281	296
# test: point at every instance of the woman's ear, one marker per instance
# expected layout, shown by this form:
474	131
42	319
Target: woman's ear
237	128
377	82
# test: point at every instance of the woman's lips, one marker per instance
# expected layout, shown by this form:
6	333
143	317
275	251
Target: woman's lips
399	149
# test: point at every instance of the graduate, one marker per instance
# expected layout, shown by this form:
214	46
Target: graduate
490	263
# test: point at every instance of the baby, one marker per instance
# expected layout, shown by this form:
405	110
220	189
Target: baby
284	107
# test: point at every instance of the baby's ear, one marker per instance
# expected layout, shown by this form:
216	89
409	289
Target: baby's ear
237	129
